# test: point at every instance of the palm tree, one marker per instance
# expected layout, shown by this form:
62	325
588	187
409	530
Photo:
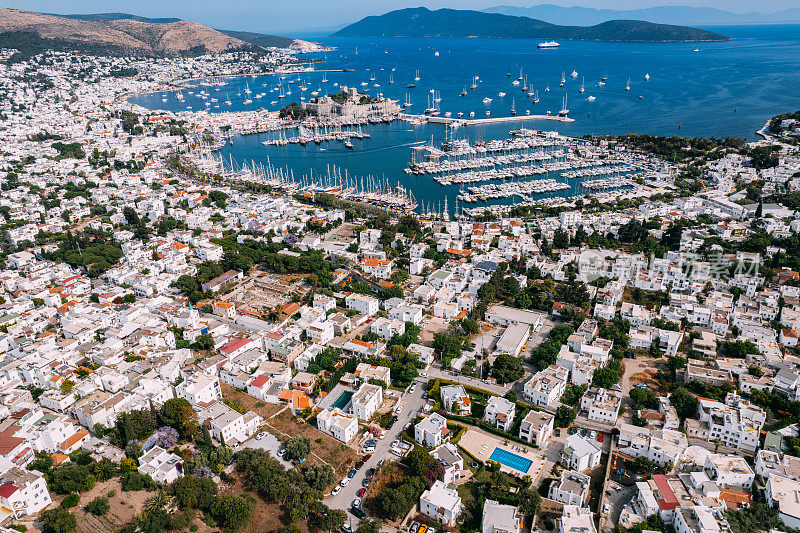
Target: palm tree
157	501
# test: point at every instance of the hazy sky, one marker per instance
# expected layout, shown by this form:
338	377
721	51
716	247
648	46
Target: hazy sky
278	16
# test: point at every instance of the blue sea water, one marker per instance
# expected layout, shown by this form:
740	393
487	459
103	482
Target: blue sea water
695	89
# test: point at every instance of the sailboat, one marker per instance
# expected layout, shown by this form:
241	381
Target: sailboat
647	77
525	84
474	83
520	75
324	77
416	77
564	109
574	74
628	86
583	88
391	79
407	103
535	97
464	91
513	108
547	89
411	84
563	79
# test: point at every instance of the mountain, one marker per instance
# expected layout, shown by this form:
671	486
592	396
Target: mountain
118	16
260	39
422	22
120	35
683	15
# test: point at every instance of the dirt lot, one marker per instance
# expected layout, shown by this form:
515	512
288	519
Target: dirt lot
261	291
324	448
124	507
434	325
266	517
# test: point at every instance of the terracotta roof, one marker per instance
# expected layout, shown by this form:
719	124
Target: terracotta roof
80	434
7	489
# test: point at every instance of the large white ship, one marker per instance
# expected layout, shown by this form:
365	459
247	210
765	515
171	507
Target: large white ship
548	44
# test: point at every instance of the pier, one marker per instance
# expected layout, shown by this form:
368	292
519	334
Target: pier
450	121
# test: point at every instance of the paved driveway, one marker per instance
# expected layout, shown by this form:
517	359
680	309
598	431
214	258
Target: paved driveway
411	403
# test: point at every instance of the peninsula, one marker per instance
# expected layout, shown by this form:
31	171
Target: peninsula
422	22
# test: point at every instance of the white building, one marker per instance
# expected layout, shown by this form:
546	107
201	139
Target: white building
339	425
785	493
452	462
431	431
576	519
366	305
537	428
23	492
441	502
602	405
367	400
500	518
164	467
499	412
546	387
579	453
201	388
572	488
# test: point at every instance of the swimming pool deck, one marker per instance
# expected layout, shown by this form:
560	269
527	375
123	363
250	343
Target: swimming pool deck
480	445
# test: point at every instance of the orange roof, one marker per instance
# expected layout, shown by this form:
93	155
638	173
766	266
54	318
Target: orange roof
80	434
291	309
58	458
223	305
298	398
361	343
370	261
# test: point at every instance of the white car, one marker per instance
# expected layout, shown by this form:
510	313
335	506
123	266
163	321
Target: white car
382	435
336	490
261	435
423	374
344	482
399	409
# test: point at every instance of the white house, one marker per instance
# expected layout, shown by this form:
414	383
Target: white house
576	519
441	502
164	467
602	405
452	462
431	431
500	518
367	400
579	453
499	413
537	428
23	492
339	425
546	386
785	492
199	389
366	305
572	488
455	399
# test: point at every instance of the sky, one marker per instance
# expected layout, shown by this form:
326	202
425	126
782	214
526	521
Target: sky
283	16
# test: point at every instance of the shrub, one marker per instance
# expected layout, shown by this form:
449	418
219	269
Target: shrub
99	506
70	501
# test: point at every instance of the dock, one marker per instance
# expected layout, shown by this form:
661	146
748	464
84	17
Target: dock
481	121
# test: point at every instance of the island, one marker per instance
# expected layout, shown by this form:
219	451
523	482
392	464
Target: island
422	22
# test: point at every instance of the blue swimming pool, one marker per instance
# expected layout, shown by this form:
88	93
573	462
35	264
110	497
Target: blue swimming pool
511	460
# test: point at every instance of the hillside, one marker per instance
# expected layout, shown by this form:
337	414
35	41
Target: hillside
135	36
422	22
118	16
685	15
260	39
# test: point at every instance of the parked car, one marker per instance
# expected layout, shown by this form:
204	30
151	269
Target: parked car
365	482
380	463
359	465
357	512
572	430
351	474
399	409
361	492
382	435
347	529
423	374
366	457
344	482
281	452
261	435
414	527
599	437
356	503
336	490
593	434
422	528
370	472
390	423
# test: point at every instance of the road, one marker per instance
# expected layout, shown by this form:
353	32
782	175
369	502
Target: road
438	373
411	403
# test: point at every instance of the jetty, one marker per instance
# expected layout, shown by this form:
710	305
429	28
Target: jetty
451	121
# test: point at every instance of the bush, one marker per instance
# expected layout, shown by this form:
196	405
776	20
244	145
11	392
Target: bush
133	481
70	501
232	512
99	506
298	448
58	520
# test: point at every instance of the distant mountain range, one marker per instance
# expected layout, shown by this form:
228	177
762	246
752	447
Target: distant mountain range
682	15
113	33
422	22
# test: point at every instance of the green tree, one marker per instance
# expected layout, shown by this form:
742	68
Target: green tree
99	506
58	520
298	447
178	413
605	377
232	512
564	416
318	475
507	368
368	525
684	403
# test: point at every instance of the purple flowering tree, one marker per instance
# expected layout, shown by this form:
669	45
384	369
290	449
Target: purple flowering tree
166	437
